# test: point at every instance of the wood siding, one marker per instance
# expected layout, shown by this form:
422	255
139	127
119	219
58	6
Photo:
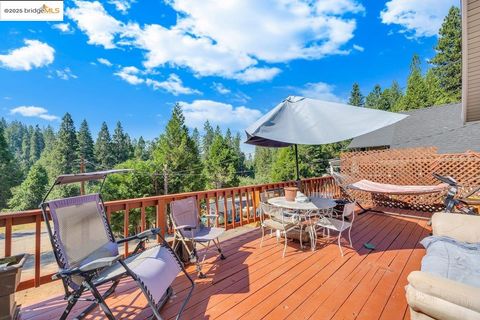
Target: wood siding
471	59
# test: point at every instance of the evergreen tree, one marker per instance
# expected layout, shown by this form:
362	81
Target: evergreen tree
373	100
262	162
121	144
284	166
390	97
447	63
65	152
85	146
14	133
25	160
103	150
37	144
356	97
30	193
416	95
176	156
435	93
49	137
9	173
220	164
140	150
207	137
196	138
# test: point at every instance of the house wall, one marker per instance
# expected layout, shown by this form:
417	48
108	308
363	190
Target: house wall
471	60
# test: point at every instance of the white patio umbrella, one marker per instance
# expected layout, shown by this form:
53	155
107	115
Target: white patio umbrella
299	120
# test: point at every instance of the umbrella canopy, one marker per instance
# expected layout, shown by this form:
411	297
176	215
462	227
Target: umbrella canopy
299	120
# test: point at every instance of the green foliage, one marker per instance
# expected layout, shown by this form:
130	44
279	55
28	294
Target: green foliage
373	100
356	97
103	149
140	151
121	144
176	156
283	167
9	172
262	163
207	138
447	63
30	193
37	144
416	96
85	146
390	97
221	163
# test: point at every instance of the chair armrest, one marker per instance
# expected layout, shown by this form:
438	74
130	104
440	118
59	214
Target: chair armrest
185	227
211	215
461	227
99	263
140	236
454	292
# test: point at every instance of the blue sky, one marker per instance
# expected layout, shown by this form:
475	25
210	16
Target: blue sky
226	61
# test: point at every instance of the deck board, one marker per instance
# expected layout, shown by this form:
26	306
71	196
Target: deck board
256	283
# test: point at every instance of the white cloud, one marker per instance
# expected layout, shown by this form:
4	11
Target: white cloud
228	39
319	90
173	84
218	113
63	27
65	74
32	111
220	88
417	18
254	74
104	62
122	5
34	54
130	75
358	48
92	19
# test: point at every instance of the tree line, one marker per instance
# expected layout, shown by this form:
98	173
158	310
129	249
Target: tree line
182	160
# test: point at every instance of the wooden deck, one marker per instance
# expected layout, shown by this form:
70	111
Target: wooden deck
256	283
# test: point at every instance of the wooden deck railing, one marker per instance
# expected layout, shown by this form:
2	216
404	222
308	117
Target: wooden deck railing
236	206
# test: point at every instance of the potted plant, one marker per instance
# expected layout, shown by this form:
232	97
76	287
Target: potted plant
290	193
10	271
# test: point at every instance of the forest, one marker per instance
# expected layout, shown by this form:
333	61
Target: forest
181	159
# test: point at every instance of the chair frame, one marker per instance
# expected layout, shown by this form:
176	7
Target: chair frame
89	284
348	210
180	238
292	217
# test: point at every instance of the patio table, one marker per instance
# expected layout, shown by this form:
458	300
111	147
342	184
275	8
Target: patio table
305	209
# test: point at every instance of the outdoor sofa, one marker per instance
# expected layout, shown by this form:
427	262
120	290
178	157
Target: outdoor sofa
448	287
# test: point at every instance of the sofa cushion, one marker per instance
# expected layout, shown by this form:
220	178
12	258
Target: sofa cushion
452	259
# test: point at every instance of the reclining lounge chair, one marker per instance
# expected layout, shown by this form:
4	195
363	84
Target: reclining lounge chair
88	256
187	228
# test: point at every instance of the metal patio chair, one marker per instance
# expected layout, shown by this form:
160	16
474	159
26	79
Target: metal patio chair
328	223
187	228
88	257
278	220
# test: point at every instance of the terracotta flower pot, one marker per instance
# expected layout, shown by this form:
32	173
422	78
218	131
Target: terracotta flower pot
290	193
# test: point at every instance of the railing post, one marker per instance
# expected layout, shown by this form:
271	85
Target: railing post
161	217
38	230
8	237
126	224
143	220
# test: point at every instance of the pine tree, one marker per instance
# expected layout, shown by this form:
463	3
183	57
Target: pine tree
30	193
207	137
416	94
85	146
121	144
65	153
435	93
373	99
9	172
177	157
25	160
262	162
49	137
356	97
37	144
103	150
447	63
196	138
390	96
284	167
140	150
220	164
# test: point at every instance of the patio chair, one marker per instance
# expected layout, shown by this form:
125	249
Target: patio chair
88	255
187	228
278	220
328	223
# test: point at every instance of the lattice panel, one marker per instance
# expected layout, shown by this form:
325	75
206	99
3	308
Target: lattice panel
412	166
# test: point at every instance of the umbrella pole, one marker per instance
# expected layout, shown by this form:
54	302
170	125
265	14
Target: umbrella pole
296	162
